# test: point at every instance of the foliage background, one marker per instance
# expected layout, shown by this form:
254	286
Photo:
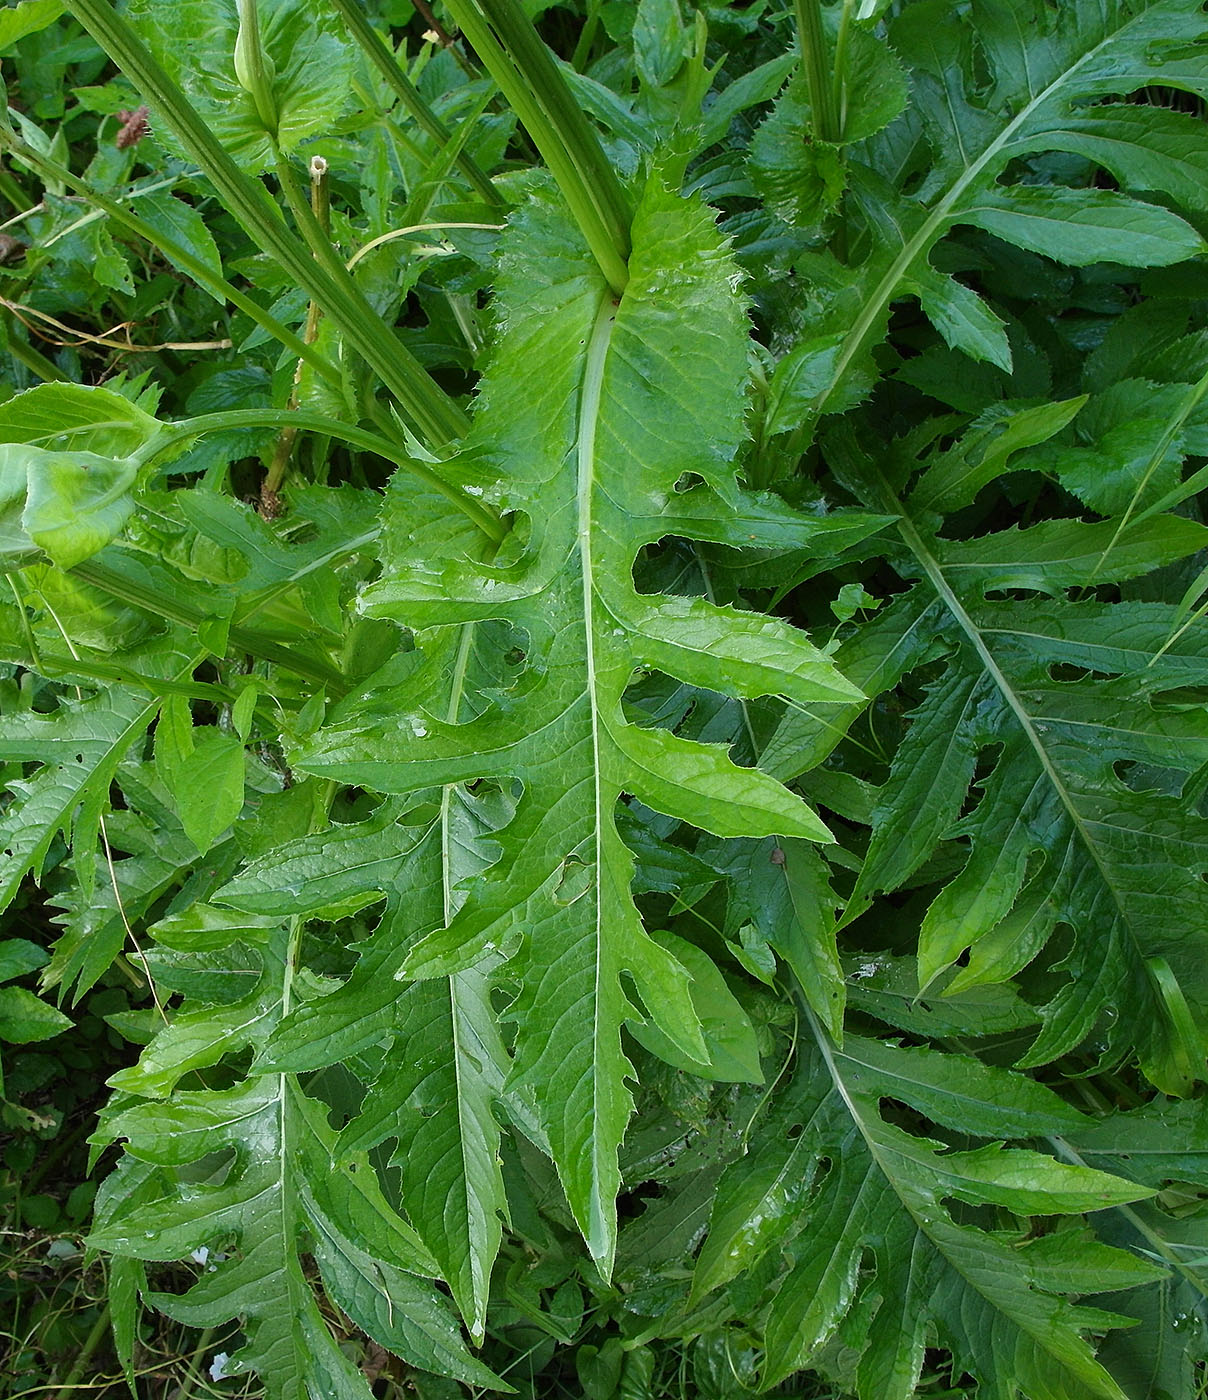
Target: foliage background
900	504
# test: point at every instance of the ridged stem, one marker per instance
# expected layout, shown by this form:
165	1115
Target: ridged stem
514	55
816	65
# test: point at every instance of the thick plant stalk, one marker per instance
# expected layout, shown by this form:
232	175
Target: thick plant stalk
270	499
520	63
815	64
254	68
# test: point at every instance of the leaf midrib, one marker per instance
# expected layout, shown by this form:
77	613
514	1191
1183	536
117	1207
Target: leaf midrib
935	575
875	1152
466	1124
591	394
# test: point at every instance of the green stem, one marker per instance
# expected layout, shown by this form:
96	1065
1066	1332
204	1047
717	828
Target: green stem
312	231
320	194
99	1329
179	253
270	501
514	55
818	75
68	668
435	415
839	74
253	68
174	608
10	190
482	515
378	53
192	1375
587	36
32	359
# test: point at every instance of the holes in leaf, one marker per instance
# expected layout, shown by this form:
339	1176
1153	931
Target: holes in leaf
653	698
1186	697
1148	777
633	997
635	1202
576	879
986	763
501	653
899	1114
1064	673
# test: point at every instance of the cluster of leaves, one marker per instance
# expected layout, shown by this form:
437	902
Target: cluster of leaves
605	679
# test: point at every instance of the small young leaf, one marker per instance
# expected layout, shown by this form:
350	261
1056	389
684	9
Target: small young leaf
207	784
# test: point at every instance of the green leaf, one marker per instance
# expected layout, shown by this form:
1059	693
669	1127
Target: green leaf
985	450
279	1184
1056	837
19	956
732	1049
849	1183
435	1094
962	318
125	1278
76	503
781	894
207	784
74	450
573	429
658	41
29	17
25	1018
1043	85
183	227
76	418
959	1091
800	178
1061	554
78	749
924	793
1144	148
1080	227
195	41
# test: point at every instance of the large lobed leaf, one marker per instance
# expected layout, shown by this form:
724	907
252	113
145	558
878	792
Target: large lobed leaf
1051	77
247	1172
443	1069
1079	820
603	427
881	1259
